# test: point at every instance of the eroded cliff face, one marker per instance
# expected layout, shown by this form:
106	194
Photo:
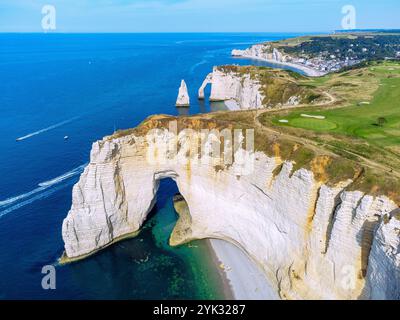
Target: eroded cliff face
263	52
249	88
385	260
312	241
243	90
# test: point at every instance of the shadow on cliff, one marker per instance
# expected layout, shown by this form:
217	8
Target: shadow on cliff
365	238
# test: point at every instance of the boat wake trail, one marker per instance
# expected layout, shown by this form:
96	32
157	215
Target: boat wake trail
43	191
39	196
193	68
57	125
12	200
63	177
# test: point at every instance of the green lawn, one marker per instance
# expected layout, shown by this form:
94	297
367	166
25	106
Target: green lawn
313	124
361	120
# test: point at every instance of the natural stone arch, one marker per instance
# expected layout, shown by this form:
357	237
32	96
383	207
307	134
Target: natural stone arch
118	190
182	230
206	82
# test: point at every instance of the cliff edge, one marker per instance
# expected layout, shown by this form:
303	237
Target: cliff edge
314	237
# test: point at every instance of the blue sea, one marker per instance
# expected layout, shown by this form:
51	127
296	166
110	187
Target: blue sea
86	86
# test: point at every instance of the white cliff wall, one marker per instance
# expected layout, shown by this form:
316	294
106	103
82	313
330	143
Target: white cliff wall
246	92
312	241
262	52
207	81
384	261
239	91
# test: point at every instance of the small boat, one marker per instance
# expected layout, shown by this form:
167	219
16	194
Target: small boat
66	138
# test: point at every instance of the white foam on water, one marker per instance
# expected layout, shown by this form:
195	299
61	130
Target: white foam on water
57	125
63	177
194	67
39	196
12	200
42	187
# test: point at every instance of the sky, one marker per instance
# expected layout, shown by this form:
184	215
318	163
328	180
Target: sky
197	15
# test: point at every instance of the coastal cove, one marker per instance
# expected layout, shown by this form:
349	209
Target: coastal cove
86	87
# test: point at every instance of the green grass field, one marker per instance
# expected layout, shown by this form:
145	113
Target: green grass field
313	124
362	125
377	122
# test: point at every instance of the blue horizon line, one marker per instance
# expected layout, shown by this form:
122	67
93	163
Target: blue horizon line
167	32
203	32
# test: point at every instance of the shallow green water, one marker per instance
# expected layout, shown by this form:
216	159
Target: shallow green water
201	279
146	267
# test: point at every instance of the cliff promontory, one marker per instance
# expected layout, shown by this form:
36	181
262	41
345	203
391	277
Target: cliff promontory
289	207
247	87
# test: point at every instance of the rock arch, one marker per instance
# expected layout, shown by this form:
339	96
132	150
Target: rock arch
206	82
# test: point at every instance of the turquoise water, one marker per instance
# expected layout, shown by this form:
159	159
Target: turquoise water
85	87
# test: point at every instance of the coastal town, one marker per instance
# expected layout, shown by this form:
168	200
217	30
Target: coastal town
326	54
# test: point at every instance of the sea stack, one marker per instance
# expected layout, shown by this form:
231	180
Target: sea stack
183	96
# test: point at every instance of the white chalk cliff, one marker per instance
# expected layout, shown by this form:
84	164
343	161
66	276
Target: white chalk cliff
228	86
183	99
207	81
311	240
243	91
262	51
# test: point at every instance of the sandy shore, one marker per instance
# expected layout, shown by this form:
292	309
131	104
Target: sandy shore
242	277
306	70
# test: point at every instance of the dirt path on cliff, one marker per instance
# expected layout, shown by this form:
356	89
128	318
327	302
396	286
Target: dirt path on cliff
313	145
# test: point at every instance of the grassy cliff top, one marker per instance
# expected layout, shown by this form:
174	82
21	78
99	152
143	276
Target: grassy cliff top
362	125
356	136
